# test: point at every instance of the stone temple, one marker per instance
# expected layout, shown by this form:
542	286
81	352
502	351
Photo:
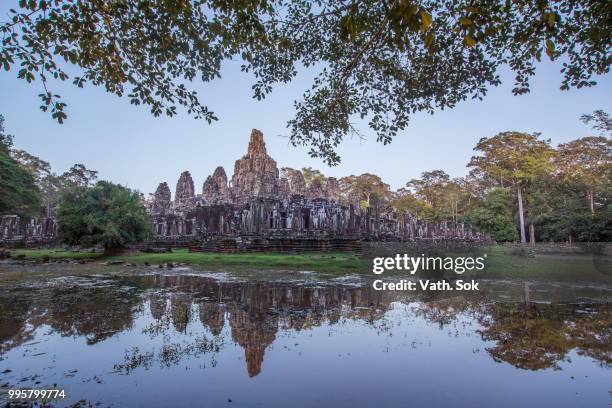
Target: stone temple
263	208
260	208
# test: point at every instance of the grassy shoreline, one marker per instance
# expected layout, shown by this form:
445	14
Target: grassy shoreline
334	261
501	263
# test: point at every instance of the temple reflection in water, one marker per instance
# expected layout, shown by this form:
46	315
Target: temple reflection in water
255	312
529	336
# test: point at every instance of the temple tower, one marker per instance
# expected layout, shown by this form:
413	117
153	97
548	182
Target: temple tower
255	174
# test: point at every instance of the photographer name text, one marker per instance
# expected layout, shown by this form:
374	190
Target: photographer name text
425	284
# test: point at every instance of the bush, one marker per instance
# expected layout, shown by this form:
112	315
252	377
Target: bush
106	214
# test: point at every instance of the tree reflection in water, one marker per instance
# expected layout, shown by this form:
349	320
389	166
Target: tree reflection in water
537	336
530	336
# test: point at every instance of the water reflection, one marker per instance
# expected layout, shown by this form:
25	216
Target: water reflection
538	336
255	312
164	321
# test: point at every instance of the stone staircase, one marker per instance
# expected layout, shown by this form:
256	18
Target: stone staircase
280	245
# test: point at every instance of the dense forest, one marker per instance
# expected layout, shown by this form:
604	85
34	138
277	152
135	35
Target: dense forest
518	187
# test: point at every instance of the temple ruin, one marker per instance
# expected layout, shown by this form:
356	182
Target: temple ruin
35	231
262	208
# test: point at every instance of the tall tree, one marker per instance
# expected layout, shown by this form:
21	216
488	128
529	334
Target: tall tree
516	159
470	193
404	201
430	186
588	161
371	189
6	140
494	216
380	60
564	214
78	176
438	190
50	185
51	188
312	176
18	192
34	165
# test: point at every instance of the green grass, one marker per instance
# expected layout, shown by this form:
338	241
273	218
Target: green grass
314	260
53	254
501	263
327	261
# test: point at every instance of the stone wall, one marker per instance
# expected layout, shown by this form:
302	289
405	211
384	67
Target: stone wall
16	231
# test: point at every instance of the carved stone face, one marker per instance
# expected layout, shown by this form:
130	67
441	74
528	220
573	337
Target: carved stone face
255	174
215	189
161	198
184	187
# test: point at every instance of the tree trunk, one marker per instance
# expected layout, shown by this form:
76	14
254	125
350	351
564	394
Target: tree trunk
456	211
531	234
591	202
112	251
521	214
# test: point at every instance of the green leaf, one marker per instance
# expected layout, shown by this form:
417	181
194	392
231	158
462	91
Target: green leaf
469	41
429	41
425	20
551	19
465	22
550	48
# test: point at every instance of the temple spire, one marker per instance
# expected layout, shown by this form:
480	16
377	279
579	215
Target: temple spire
257	146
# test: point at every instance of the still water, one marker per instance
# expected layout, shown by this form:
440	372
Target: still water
182	339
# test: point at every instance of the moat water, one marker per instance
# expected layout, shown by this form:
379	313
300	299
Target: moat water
185	339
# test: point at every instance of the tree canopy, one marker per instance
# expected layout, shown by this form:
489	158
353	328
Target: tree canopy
50	185
513	159
313	176
380	61
18	191
106	214
587	161
370	189
600	120
494	216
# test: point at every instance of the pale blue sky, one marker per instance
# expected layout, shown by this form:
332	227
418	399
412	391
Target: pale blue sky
127	145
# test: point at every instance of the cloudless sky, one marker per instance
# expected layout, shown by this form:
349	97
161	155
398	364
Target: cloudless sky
128	145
